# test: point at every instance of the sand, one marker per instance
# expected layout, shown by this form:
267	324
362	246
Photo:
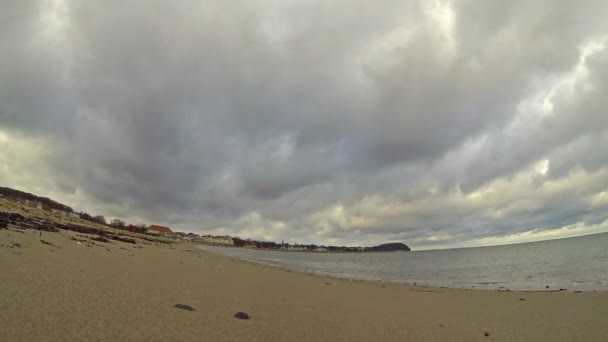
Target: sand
118	291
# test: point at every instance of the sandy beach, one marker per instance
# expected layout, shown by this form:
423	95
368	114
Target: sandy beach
81	290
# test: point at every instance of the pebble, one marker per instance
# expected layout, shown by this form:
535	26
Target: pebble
184	307
241	315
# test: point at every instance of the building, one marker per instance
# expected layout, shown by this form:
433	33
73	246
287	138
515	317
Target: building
218	240
159	230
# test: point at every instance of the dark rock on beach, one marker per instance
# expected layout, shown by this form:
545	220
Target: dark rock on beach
122	239
184	307
241	315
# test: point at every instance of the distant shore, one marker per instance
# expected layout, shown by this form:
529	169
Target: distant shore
65	286
293	250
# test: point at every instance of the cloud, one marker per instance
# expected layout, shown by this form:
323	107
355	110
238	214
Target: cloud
331	122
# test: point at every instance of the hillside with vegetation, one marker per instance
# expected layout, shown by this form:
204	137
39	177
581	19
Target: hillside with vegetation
26	196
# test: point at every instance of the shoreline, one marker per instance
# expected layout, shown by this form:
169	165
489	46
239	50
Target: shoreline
201	247
67	286
74	290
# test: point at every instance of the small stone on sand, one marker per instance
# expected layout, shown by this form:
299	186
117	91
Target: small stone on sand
184	307
241	315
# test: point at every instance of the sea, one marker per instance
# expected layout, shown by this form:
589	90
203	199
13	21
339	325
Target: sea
575	264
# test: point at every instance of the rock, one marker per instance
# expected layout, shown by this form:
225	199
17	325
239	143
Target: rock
487	334
184	307
122	239
241	315
522	299
547	286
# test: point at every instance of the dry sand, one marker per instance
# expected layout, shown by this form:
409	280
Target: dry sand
117	291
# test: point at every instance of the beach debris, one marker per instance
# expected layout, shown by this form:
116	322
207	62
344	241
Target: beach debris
122	239
441	325
47	243
547	286
22	222
578	291
487	334
241	315
328	283
184	307
522	299
77	240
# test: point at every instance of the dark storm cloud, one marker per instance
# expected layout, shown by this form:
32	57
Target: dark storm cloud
283	120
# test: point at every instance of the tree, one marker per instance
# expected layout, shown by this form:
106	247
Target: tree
100	219
118	223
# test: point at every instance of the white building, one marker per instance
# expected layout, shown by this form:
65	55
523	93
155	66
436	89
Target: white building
218	240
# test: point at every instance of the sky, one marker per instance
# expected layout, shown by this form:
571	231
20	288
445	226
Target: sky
434	123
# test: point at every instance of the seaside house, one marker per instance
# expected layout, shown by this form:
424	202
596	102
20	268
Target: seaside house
218	240
159	230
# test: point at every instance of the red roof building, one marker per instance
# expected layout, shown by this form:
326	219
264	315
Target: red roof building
158	230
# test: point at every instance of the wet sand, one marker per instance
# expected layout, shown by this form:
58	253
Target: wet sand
117	291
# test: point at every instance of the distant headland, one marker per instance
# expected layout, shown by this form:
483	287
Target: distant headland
269	245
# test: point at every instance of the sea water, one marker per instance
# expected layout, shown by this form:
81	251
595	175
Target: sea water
579	263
